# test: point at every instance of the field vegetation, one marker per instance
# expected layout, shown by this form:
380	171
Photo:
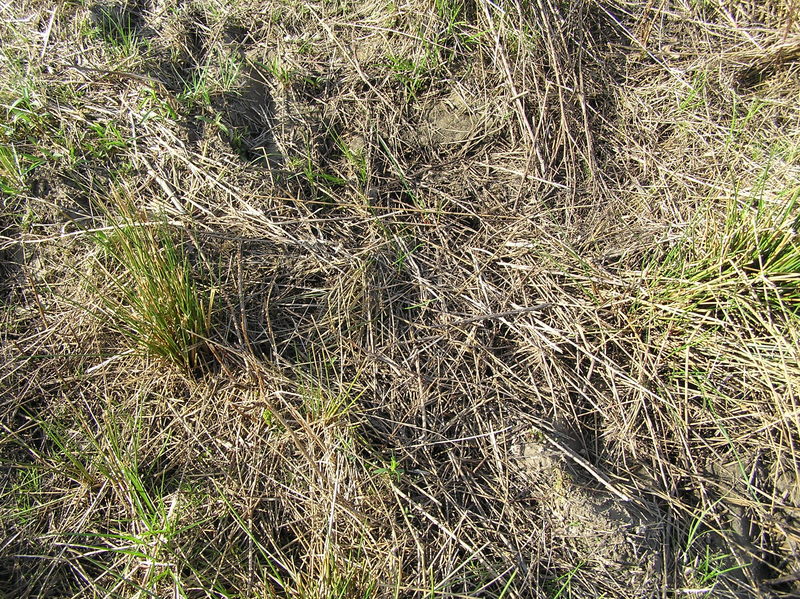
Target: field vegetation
399	299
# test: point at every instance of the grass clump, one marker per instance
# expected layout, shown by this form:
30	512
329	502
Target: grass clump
751	259
155	301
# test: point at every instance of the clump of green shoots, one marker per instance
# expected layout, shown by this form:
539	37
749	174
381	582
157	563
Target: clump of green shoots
157	305
747	265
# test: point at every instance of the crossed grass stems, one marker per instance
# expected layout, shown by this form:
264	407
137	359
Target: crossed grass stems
731	279
746	264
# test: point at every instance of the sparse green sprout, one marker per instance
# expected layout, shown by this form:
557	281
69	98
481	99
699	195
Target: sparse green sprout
14	169
309	82
412	74
196	90
217	123
22	114
152	105
22	125
26	487
278	69
562	586
455	33
404	250
221	75
230	71
695	98
705	564
306	48
450	12
390	469
107	139
325	405
354	156
318	180
117	25
710	566
319	177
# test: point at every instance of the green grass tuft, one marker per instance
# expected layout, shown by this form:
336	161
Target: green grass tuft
156	302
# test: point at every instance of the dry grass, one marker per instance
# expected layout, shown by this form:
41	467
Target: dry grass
440	298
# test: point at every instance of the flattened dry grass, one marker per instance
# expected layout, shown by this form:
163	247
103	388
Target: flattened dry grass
440	298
